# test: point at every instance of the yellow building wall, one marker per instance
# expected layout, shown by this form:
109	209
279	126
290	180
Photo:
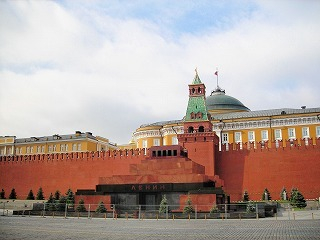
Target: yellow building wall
91	146
271	133
85	146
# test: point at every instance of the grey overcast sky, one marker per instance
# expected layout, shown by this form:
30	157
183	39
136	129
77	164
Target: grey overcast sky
109	66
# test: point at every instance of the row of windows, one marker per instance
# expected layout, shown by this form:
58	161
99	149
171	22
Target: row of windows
265	137
51	148
251	136
156	142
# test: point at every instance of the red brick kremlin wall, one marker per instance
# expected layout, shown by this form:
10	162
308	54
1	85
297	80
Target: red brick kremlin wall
63	171
246	169
273	168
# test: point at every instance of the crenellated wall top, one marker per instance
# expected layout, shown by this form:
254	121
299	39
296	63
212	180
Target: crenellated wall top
105	155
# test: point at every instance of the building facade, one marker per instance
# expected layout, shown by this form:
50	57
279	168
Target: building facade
77	142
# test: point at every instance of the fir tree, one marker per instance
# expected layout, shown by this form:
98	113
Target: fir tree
163	204
101	208
30	195
13	194
62	203
81	207
266	195
188	208
245	196
51	203
57	195
297	199
2	194
70	198
40	195
214	209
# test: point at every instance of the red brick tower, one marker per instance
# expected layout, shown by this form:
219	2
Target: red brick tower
198	137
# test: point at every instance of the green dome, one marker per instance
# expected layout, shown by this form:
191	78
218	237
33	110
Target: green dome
218	100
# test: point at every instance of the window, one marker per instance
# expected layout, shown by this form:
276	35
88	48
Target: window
74	147
164	142
174	141
237	137
251	136
144	144
318	131
291	133
62	148
225	138
156	142
31	150
305	132
277	134
79	147
17	151
50	148
28	149
264	135
54	148
42	149
66	147
38	149
201	128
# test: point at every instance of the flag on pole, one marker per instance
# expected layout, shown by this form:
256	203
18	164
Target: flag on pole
216	73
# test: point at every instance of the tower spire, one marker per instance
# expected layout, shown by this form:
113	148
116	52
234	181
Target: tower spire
196	79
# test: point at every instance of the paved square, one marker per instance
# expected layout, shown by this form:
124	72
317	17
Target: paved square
72	228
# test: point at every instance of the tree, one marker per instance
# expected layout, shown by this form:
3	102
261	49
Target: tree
30	195
40	195
62	203
266	195
13	194
163	204
188	208
70	198
57	195
245	196
214	209
81	207
284	194
297	199
2	194
101	208
51	203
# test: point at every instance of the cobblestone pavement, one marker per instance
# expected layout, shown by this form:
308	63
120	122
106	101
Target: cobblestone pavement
16	228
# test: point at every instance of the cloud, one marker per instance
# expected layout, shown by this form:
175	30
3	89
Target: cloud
88	67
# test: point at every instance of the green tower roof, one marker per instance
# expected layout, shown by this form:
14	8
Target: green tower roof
197	108
196	79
